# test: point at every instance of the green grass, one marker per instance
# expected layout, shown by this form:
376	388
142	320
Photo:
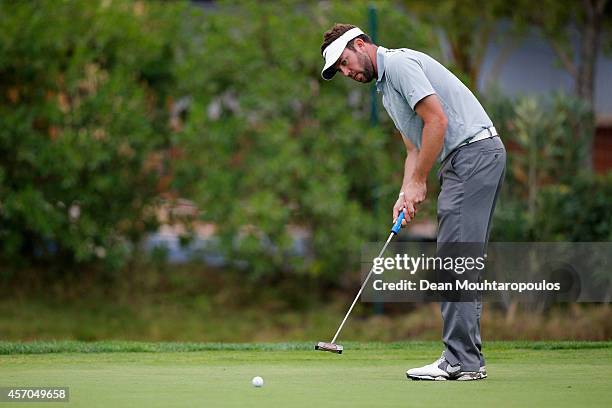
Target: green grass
134	374
115	346
197	319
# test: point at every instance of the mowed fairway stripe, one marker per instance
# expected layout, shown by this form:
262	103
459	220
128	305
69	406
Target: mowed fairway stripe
359	378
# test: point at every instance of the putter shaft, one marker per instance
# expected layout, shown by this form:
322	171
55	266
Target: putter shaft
362	286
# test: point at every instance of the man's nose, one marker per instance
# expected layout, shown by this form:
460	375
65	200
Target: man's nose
345	71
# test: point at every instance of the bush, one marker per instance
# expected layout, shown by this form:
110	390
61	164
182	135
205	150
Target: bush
82	104
270	146
108	104
575	212
541	137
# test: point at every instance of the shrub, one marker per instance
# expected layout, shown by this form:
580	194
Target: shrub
83	89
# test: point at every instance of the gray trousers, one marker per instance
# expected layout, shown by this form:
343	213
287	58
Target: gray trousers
470	178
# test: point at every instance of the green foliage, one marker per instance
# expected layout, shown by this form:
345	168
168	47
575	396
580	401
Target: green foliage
466	27
575	212
107	106
271	148
82	94
544	135
96	97
578	211
546	159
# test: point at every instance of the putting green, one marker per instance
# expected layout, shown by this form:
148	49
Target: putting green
366	375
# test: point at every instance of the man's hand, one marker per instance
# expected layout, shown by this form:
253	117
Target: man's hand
412	195
415	192
401	205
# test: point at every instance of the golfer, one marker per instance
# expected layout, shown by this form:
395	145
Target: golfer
439	119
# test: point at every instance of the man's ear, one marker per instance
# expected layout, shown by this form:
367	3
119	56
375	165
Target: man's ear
359	44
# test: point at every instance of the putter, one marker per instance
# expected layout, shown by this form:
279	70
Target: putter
332	347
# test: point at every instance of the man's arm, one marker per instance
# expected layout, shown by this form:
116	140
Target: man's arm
414	186
434	128
409	166
411	159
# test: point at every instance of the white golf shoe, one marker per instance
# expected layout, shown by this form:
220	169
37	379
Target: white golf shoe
441	370
483	371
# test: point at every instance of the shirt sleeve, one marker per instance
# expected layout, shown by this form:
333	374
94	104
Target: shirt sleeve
408	78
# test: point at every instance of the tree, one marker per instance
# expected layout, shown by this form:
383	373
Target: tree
574	30
83	88
466	28
271	148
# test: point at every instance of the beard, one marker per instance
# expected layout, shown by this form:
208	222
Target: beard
367	74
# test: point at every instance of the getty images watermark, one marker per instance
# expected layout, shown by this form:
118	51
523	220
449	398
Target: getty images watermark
457	265
524	272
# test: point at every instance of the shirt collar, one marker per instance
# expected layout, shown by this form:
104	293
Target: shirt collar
380	62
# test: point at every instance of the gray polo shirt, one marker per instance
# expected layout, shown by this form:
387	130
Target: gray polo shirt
406	76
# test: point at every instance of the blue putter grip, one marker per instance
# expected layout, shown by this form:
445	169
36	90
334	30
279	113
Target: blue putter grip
398	223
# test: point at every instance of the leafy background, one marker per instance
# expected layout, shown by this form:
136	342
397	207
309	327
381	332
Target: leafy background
113	112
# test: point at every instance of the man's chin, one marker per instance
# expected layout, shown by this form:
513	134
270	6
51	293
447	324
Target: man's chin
363	79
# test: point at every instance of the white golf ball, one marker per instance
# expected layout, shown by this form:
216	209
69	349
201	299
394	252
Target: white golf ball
257	382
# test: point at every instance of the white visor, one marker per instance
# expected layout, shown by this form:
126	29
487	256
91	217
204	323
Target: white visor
333	51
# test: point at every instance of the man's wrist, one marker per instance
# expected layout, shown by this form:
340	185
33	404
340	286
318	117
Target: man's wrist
419	178
413	182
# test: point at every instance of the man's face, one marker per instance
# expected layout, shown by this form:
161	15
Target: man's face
356	65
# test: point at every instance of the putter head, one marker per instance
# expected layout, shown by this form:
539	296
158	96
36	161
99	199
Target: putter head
331	347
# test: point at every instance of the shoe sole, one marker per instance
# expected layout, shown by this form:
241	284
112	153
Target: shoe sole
464	377
471	377
425	378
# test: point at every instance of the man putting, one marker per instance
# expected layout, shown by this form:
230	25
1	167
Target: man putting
439	118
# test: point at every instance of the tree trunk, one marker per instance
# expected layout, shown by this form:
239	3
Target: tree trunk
589	52
589	49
